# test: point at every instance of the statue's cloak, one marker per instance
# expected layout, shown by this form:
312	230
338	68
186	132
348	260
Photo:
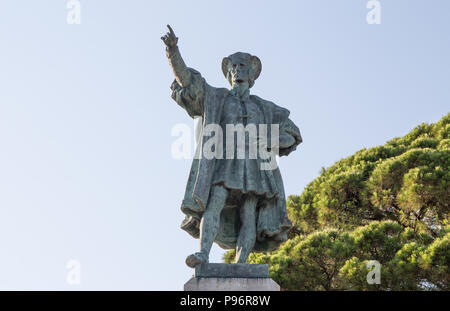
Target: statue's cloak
201	99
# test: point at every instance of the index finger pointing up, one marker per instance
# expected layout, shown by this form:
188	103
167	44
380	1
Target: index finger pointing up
170	29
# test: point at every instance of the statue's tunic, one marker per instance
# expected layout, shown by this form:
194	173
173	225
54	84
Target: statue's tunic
240	176
236	173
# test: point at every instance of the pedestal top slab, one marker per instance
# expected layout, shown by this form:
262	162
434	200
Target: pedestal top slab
231	270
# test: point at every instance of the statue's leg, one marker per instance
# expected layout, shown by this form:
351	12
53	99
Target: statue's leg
247	233
209	225
211	218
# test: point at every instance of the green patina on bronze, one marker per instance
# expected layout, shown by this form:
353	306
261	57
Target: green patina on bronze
232	201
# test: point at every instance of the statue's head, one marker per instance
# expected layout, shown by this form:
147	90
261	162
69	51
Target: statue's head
241	68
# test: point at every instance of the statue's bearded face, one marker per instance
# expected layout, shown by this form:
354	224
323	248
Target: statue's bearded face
239	70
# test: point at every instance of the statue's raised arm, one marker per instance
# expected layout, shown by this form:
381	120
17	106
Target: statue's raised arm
189	87
180	70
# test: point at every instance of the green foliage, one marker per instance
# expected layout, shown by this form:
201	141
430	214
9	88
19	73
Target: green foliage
337	260
407	180
229	256
388	203
436	259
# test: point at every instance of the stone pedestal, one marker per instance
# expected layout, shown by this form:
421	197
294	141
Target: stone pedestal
231	277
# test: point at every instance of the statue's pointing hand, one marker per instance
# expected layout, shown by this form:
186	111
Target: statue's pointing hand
170	40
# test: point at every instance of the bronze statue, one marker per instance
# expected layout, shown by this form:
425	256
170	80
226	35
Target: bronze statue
233	200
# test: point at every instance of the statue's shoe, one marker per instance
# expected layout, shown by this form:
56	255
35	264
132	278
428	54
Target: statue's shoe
196	259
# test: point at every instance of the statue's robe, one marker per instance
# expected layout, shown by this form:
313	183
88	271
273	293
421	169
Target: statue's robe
201	99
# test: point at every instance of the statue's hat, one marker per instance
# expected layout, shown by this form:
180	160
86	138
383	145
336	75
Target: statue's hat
253	61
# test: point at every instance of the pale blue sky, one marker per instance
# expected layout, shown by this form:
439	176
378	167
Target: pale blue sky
86	171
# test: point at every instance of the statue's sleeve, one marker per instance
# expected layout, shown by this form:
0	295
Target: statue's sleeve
191	98
287	127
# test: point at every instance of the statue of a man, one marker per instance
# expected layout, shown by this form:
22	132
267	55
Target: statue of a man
232	200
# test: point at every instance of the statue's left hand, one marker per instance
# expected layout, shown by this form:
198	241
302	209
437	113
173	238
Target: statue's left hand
170	40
